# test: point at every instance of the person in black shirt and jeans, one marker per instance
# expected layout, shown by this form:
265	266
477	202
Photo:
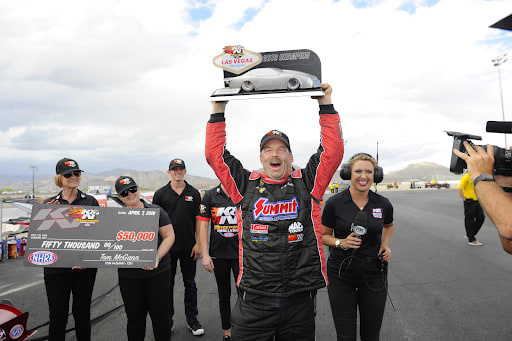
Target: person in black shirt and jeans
147	289
222	258
357	264
181	202
61	282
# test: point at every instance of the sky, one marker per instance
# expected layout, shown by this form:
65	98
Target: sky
125	84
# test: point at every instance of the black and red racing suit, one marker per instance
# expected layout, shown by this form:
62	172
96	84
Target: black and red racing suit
279	221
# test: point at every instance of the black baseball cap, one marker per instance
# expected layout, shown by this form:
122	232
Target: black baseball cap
275	135
177	163
66	166
123	183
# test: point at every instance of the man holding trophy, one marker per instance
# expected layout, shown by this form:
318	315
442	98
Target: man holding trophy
281	258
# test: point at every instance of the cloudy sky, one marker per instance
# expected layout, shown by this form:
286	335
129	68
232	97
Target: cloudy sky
125	84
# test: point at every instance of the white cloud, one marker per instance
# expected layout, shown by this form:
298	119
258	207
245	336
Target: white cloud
130	80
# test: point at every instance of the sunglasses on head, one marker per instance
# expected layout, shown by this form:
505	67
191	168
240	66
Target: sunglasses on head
75	173
124	193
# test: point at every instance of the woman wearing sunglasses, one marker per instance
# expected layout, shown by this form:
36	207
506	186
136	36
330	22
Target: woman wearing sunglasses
147	289
61	282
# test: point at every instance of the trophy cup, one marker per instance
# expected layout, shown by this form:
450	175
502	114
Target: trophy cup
250	75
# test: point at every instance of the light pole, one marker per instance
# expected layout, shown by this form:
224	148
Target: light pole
497	62
34	168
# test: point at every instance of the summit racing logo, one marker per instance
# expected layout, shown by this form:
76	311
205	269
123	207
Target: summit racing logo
272	211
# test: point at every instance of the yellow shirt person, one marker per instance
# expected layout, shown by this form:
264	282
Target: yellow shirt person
473	214
468	188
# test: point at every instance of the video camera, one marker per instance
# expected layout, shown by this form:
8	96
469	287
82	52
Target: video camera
502	157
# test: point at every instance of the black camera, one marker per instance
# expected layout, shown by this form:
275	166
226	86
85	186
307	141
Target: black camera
502	157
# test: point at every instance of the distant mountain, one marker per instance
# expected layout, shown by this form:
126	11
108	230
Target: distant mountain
423	171
152	180
148	180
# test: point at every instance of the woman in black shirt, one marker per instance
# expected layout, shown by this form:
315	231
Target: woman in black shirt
218	209
357	264
147	289
61	282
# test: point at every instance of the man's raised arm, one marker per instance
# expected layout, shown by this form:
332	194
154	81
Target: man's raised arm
323	164
229	170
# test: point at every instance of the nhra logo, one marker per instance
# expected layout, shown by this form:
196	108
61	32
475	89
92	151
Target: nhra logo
125	181
70	163
16	331
272	211
42	258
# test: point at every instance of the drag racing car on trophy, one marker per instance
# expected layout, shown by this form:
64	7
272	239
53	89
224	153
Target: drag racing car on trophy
272	79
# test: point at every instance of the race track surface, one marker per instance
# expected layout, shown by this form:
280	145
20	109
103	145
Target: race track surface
442	288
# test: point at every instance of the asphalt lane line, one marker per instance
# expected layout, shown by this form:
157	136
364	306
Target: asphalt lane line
20	288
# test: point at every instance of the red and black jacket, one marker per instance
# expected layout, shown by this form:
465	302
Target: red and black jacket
279	221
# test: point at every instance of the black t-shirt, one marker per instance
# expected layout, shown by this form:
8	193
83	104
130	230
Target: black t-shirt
219	209
183	210
163	265
81	199
340	211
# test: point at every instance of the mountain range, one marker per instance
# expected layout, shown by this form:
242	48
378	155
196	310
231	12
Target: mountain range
151	180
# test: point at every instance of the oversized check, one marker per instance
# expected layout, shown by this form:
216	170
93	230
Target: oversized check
92	236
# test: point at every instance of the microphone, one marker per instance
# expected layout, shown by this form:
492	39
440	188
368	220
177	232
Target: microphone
504	127
359	226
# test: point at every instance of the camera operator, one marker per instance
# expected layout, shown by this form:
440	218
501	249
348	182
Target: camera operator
496	201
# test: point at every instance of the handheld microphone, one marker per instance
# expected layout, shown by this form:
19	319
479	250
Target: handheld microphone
359	226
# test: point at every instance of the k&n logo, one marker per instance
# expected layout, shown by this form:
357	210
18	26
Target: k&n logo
51	216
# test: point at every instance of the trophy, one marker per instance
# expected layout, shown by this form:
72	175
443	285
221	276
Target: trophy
250	75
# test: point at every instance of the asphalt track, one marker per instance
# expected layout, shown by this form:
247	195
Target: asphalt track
442	288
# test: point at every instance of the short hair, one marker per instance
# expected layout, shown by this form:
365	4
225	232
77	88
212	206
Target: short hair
58	180
362	157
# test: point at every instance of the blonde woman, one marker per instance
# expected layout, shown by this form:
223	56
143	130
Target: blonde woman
61	282
358	224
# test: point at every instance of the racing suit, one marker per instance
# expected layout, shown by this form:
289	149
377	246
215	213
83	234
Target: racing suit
281	255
